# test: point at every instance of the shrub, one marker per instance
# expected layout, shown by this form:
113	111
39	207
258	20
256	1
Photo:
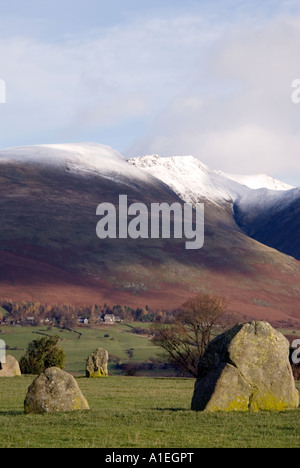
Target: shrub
130	369
41	354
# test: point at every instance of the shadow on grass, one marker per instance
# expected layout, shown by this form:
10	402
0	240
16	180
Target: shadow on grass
11	413
171	409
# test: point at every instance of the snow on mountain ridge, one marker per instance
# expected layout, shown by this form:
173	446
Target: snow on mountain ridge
188	177
80	158
83	154
258	181
192	180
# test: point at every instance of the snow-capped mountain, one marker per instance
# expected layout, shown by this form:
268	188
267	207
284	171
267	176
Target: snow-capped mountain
263	207
77	158
258	181
185	175
272	218
50	253
192	180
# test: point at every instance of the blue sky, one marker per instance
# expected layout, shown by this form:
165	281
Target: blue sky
207	78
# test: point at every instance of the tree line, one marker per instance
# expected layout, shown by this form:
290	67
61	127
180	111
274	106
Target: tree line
182	334
67	315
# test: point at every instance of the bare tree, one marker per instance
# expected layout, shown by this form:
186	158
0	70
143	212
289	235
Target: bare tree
186	338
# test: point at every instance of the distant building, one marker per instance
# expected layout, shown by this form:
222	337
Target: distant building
30	320
109	318
47	321
83	320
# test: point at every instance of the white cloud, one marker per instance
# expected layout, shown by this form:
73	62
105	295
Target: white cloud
120	73
220	90
238	115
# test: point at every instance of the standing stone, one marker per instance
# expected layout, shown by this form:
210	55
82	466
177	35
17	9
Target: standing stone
10	368
246	369
54	391
96	365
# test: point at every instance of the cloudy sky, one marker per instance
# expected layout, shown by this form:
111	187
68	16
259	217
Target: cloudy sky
208	78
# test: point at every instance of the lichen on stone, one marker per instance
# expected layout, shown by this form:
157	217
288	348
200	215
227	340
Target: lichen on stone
246	369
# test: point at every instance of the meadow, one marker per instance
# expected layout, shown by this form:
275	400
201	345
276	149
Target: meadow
130	412
139	412
123	345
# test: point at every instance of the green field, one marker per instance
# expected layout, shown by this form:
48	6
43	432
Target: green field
78	347
138	412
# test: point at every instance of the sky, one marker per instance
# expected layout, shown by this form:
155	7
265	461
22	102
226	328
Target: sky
207	78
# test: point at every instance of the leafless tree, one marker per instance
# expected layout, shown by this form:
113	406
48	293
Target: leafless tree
185	340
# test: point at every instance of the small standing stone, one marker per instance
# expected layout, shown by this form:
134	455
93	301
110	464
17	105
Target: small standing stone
54	391
10	368
96	365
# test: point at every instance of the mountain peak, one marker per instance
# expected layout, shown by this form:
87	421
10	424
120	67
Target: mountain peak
80	158
90	153
258	181
190	178
193	180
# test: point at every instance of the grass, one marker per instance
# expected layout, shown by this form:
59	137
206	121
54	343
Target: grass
120	340
131	412
142	413
77	350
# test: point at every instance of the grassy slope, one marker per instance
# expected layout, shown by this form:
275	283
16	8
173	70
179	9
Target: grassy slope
139	412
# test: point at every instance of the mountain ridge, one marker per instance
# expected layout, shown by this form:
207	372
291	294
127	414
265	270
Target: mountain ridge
266	210
191	175
49	250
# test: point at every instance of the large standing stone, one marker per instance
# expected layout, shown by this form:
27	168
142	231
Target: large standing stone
54	391
246	369
10	368
96	365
